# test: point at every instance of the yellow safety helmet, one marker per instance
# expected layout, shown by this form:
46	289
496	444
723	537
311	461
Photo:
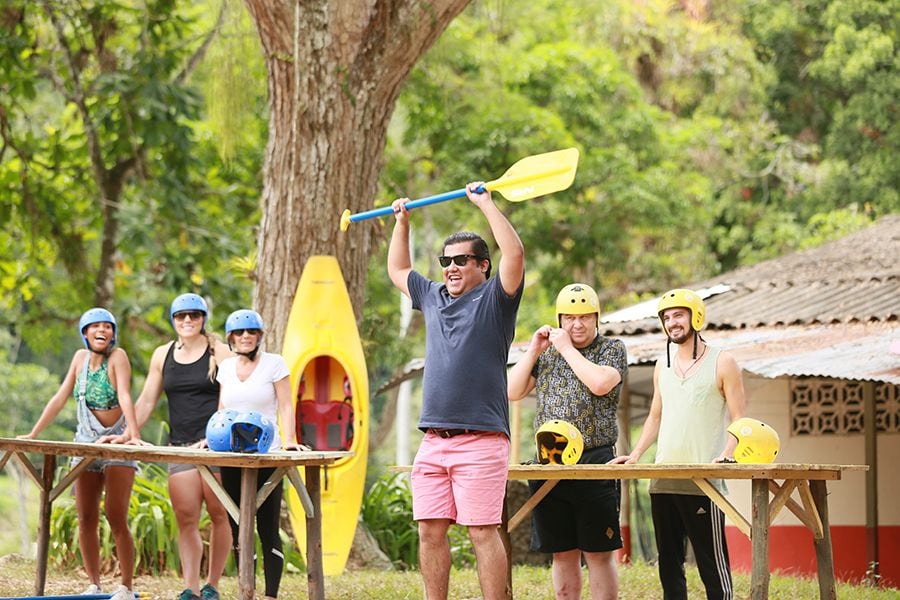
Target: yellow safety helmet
757	442
558	443
682	298
577	299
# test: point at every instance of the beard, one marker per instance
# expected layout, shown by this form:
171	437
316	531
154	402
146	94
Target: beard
682	338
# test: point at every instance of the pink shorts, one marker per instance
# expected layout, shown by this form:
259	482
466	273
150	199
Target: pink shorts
462	478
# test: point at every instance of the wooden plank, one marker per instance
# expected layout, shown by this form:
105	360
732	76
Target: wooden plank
507	544
314	568
216	486
5	459
871	436
781	496
270	484
300	488
824	558
30	470
795	508
759	574
70	478
722	502
172	454
533	501
810	509
246	537
45	510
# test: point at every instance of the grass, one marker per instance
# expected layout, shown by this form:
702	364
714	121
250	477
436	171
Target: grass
637	582
10	537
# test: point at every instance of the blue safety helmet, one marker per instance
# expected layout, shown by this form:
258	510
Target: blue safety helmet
96	315
218	430
243	319
252	432
188	302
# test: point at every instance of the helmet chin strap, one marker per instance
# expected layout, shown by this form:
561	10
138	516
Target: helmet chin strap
251	355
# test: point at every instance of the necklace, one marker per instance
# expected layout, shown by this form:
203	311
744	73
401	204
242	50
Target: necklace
684	371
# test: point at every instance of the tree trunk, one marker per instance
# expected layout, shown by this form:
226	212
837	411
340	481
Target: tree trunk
335	69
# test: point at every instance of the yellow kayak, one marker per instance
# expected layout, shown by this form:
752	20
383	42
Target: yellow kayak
331	391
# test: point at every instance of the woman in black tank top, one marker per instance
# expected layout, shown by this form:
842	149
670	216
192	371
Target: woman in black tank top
185	370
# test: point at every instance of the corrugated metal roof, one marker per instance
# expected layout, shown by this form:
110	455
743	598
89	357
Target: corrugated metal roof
830	311
857	351
852	280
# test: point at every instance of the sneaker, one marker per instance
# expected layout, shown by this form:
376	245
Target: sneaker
122	593
208	592
92	589
188	595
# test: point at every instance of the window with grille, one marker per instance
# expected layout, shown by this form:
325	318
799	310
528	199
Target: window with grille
835	406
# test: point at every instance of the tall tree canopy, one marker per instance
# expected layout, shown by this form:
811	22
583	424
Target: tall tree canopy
335	70
110	195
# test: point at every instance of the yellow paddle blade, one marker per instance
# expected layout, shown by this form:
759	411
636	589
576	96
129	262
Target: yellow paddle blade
537	175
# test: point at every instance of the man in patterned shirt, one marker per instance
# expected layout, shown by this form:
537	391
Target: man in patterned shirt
577	374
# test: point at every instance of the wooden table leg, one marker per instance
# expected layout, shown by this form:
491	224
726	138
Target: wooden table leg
246	539
824	559
759	537
44	523
507	545
315	576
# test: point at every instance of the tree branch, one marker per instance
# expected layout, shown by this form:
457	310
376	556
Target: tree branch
198	55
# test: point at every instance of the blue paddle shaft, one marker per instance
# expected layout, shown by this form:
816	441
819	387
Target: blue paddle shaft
389	210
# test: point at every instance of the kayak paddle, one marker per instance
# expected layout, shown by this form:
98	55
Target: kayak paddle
530	177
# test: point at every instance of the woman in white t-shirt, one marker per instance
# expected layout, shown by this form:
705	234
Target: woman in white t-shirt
260	382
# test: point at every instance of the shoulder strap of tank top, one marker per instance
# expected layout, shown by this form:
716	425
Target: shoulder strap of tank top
82	385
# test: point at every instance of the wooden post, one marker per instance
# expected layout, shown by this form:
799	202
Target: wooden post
824	559
625	485
315	574
871	435
507	545
759	537
44	523
246	538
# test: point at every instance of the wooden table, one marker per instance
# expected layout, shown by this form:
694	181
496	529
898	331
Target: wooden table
285	464
780	479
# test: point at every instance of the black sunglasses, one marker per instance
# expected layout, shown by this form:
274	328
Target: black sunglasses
459	260
194	315
240	332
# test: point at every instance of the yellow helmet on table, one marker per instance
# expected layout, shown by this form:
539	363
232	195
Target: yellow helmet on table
558	443
757	442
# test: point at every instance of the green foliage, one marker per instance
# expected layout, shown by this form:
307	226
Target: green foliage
24	391
112	190
387	513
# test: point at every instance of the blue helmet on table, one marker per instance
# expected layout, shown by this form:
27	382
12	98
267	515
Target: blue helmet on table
96	315
218	430
252	432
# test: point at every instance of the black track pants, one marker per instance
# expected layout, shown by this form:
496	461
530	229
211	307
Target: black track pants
678	517
267	524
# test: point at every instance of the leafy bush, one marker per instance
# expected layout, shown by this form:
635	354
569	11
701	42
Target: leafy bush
387	512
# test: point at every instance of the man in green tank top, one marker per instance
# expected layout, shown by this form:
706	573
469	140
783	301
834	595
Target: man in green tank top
697	392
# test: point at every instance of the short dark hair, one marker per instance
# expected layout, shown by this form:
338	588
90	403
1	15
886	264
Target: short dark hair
479	246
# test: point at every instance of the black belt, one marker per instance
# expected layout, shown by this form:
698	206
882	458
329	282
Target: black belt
449	433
